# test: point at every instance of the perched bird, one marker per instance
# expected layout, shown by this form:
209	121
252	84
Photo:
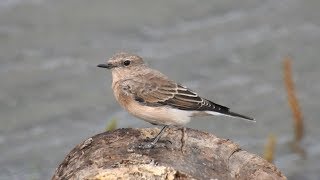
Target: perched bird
150	95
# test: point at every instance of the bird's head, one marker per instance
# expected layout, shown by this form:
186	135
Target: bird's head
123	61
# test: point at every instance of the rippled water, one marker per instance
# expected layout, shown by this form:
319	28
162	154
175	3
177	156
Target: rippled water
52	96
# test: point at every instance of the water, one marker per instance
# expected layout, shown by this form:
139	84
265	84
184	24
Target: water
52	96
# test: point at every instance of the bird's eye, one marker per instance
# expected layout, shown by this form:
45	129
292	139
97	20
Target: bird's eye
126	63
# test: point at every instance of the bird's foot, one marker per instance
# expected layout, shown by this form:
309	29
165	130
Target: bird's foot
153	144
147	145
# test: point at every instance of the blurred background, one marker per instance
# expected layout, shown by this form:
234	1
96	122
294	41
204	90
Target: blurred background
52	95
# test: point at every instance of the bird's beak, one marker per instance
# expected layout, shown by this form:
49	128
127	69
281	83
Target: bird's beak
108	66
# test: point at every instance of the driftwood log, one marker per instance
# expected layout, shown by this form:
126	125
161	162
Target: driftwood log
180	154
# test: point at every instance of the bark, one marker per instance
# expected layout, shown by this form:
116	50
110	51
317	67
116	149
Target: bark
180	154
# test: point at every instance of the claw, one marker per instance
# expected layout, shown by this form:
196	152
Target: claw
148	145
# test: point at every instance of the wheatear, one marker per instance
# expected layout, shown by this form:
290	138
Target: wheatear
149	95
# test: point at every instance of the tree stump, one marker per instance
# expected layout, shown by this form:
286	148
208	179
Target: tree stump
180	154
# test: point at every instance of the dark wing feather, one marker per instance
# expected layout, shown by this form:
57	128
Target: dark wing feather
185	99
159	91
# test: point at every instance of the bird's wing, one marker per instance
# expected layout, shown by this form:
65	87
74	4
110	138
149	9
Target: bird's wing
159	91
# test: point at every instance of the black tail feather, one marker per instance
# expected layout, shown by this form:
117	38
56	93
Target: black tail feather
233	114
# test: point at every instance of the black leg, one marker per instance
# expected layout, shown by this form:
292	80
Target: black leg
155	139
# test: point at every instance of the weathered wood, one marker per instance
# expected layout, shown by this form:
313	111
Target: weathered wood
180	154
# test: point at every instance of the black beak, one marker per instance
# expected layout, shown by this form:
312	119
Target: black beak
108	66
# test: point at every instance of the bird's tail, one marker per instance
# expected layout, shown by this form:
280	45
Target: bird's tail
232	114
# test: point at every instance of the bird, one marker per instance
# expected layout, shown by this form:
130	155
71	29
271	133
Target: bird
150	95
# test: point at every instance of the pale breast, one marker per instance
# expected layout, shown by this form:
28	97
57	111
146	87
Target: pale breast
162	115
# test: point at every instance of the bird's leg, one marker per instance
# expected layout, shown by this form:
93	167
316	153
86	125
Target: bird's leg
155	139
183	139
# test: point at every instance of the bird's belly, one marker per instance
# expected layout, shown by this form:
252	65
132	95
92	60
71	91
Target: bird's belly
160	115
